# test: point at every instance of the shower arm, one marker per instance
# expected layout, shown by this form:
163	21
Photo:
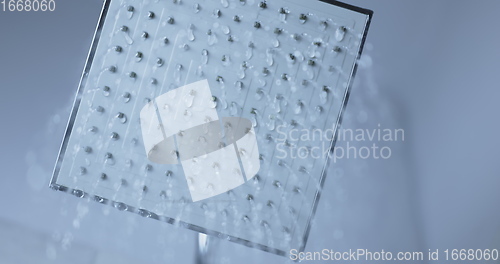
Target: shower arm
205	249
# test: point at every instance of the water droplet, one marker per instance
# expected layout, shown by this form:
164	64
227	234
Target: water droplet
332	69
296	37
303	152
216	166
78	193
125	32
277	184
138	57
265	71
197	8
217	13
302	169
291	58
126	97
159	62
303	18
242	73
99	109
202	139
285	77
309	72
271	123
188	114
225	29
213	102
204	58
123	183
189	98
239	85
199	71
319	109
144	213
120	206
111	69
336	50
226	60
108	159
165	41
178	73
121	117
314	49
130	10
298	107
106	91
245	218
323	96
277	103
87	149
233	110
249	52
254	121
340	33
184	47
276	43
283	14
191	36
225	3
259	94
223	103
323	25
99	199
270	57
114	136
212	38
243	152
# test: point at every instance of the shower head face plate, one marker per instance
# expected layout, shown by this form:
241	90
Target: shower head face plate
191	112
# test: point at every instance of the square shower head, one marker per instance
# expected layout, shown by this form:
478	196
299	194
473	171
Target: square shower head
188	112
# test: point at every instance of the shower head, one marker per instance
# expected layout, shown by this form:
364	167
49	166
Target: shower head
217	116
